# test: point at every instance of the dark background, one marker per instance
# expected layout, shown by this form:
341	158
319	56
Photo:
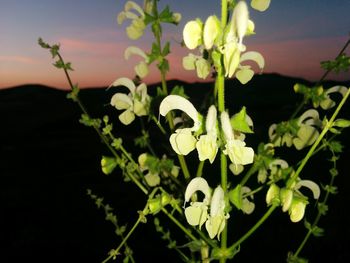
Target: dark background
48	160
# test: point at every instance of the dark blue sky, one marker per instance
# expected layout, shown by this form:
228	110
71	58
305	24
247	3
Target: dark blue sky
293	35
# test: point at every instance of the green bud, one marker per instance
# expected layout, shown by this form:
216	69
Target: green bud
108	164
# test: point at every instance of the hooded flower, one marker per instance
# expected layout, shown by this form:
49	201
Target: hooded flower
141	69
182	141
235	148
291	199
197	212
137	26
301	132
135	103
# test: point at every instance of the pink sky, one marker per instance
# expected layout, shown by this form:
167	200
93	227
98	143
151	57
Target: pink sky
290	47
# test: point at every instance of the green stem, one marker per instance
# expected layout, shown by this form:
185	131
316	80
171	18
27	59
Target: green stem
319	139
200	169
255	227
100	134
158	124
115	252
184	229
220	86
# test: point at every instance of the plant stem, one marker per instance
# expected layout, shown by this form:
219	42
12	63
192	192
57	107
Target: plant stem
115	252
255	227
200	169
319	139
220	86
184	229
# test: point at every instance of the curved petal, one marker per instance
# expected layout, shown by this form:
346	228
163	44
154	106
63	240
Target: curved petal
152	179
312	113
311	185
127	117
124	82
215	225
197	184
132	5
121	101
176	102
255	56
132	50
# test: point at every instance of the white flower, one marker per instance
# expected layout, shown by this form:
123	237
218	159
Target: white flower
182	141
235	148
137	26
135	103
217	218
207	146
141	69
291	199
197	213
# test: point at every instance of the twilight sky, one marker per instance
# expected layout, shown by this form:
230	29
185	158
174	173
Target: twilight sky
293	36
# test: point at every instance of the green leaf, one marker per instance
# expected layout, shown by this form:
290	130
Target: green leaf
322	208
341	123
166	16
317	231
239	122
54	50
236	197
166	49
43	44
179	90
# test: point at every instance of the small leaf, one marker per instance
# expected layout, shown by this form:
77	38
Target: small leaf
239	122
236	197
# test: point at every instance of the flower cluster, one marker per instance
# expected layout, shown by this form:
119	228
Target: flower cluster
217	41
300	132
135	103
197	213
291	199
185	140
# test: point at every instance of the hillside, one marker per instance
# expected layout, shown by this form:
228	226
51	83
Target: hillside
48	160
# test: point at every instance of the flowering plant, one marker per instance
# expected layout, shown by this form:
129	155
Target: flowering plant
201	204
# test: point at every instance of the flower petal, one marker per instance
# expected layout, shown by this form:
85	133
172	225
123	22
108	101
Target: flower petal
182	141
192	34
124	82
132	50
245	74
311	185
211	31
255	56
197	184
196	214
127	117
260	5
217	204
121	101
241	18
176	102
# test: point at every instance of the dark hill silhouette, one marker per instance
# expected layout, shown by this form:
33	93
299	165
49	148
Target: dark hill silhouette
48	160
